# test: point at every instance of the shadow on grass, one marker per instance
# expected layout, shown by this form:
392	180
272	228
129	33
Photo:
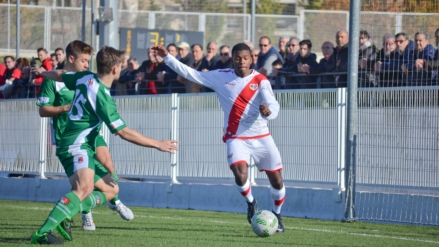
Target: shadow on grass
14	240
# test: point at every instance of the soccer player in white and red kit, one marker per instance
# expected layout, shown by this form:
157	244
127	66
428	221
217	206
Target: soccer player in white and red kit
248	103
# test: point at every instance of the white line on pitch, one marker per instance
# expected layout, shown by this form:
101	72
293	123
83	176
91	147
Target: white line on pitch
225	222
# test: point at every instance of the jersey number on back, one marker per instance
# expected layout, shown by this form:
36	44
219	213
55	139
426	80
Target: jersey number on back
77	104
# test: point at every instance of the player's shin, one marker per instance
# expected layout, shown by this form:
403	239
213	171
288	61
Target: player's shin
66	206
116	179
246	191
278	197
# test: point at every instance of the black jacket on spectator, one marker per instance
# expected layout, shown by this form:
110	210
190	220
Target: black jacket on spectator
220	65
149	84
338	62
208	64
304	81
289	61
422	77
385	78
367	51
128	78
326	81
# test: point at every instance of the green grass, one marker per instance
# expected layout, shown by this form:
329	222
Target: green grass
170	227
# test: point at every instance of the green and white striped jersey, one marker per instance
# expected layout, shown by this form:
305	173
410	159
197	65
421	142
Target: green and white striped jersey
91	106
55	93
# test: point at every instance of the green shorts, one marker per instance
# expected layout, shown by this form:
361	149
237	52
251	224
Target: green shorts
79	161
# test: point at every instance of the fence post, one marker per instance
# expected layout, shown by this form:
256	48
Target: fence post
398	22
43	146
352	112
341	137
175	102
151	20
47	27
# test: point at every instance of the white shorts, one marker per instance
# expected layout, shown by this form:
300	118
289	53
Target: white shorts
263	150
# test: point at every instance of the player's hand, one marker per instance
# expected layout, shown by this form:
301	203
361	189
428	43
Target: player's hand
66	108
265	111
168	146
38	71
159	50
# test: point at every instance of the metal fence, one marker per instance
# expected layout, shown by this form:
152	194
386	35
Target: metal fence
53	27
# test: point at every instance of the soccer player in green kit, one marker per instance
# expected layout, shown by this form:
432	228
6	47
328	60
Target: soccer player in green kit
92	105
54	100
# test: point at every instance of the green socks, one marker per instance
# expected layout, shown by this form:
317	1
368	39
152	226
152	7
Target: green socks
116	179
95	199
68	205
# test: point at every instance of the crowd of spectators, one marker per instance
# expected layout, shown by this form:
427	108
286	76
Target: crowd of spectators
291	65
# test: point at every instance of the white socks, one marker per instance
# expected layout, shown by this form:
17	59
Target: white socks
278	197
246	191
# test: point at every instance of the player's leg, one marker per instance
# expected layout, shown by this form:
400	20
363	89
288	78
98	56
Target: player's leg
268	159
104	157
81	178
238	158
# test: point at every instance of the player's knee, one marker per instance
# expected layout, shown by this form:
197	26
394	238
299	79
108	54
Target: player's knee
83	191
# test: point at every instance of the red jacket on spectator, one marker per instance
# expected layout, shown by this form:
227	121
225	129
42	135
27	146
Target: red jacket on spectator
47	65
14	73
2	77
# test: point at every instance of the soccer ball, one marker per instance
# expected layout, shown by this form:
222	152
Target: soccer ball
264	223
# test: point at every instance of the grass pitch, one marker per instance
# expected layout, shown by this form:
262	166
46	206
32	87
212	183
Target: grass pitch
170	227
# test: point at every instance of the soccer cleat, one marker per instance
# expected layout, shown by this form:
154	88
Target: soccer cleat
87	222
251	210
124	212
45	238
65	229
280	225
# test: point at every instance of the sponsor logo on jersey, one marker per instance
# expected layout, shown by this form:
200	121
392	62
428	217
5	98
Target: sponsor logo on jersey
231	84
81	159
90	82
253	86
64	200
43	100
225	70
279	164
116	124
98	199
230	156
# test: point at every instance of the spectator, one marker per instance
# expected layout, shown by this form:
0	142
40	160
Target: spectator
292	52
255	54
432	64
424	51
249	43
403	52
147	73
267	56
129	76
60	57
53	61
366	56
385	55
211	57
225	61
12	75
326	81
282	45
338	62
44	57
2	79
305	60
277	65
197	53
22	86
165	73
120	88
185	58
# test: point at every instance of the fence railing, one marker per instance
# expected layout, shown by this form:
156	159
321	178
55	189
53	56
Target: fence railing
397	141
54	27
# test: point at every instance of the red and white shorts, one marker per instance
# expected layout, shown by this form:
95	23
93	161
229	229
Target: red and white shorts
263	150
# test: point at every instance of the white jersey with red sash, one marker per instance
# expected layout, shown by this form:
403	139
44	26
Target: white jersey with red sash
239	98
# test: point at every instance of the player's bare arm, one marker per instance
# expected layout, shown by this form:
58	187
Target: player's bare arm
52	111
55	75
265	111
135	137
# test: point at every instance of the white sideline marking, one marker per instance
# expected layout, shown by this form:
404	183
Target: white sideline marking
225	222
